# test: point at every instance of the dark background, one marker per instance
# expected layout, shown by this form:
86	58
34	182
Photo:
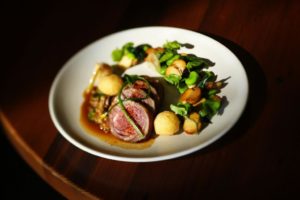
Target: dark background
18	180
22	22
27	26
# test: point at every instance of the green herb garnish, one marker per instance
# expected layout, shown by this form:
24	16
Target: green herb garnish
181	109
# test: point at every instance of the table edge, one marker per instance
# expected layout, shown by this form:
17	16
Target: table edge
57	181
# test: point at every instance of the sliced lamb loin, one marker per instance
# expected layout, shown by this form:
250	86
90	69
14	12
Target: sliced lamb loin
121	127
144	86
138	94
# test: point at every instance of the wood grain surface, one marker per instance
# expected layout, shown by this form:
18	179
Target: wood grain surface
258	158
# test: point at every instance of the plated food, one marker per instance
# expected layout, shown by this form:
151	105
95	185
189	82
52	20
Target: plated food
129	107
66	102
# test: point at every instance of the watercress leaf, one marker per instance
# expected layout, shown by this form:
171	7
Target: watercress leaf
181	109
187	106
174	45
214	105
210	107
129	50
130	55
117	54
192	79
178	110
166	56
212	92
203	112
189	66
127	46
163	69
182	87
173	79
172	59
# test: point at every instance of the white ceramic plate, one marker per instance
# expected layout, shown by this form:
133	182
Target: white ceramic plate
66	92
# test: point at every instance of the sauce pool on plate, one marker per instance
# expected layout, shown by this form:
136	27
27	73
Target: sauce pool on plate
107	137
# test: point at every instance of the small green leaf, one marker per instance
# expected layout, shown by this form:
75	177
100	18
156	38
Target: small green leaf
172	45
192	79
173	79
193	64
117	54
182	87
163	69
203	112
171	60
181	109
130	55
213	105
128	50
210	107
166	56
212	92
127	46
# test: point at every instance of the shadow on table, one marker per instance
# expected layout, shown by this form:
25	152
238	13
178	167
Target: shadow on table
18	179
256	99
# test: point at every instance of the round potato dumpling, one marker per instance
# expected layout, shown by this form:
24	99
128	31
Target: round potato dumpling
110	84
192	124
166	123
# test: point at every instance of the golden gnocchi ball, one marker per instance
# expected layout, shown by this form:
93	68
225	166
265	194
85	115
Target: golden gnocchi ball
110	84
166	123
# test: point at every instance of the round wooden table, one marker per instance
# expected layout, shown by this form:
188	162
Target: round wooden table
258	158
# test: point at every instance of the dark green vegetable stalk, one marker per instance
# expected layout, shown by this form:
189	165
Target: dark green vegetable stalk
197	63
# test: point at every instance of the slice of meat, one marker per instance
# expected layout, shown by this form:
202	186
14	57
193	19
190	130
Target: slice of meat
156	89
121	127
139	90
138	94
139	84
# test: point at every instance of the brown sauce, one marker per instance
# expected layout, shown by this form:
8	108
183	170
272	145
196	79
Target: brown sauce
93	128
